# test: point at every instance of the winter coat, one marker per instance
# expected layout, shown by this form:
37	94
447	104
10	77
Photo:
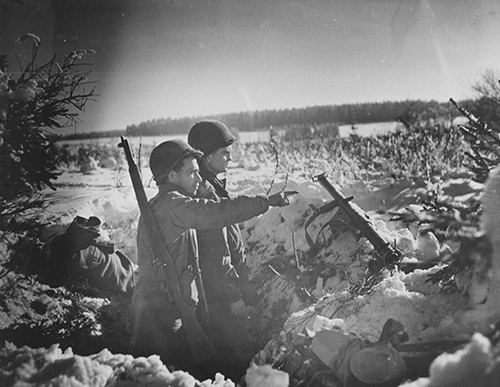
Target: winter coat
225	278
156	320
220	250
97	265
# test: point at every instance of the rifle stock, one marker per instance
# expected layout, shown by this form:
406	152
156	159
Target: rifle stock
388	253
200	346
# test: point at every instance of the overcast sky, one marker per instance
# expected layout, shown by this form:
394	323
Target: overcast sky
158	58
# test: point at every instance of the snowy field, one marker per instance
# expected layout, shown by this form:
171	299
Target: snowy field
371	129
297	283
426	313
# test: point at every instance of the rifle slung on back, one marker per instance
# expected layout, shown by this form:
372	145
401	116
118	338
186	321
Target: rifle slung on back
200	346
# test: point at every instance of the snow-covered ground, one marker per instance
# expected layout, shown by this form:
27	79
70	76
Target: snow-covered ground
298	283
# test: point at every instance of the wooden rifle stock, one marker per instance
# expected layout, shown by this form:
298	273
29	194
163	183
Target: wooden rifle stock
200	346
389	253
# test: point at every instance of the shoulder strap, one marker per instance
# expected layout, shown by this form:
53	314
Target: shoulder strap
219	187
215	182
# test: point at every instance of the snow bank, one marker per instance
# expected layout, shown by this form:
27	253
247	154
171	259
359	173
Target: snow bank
43	367
425	314
471	366
265	376
300	285
289	271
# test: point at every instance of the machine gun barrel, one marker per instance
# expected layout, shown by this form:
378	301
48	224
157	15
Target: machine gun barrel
361	221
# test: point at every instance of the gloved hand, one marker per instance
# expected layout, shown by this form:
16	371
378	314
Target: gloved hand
281	199
82	232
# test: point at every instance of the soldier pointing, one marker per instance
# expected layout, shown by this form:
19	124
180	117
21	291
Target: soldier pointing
229	293
158	328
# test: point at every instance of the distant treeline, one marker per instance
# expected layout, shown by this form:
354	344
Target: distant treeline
315	115
101	134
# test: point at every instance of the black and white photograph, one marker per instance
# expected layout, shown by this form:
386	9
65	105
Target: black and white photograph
250	193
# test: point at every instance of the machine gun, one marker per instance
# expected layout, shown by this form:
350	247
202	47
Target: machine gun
389	254
200	346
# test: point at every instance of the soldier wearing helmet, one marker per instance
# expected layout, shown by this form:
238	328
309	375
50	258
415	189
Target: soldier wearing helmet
222	254
158	327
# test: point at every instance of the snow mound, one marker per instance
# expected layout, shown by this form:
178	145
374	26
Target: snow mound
425	314
53	367
471	366
265	376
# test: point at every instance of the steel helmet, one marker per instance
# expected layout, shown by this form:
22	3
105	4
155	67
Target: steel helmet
210	135
167	155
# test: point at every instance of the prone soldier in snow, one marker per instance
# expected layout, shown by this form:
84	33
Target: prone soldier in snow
158	326
79	258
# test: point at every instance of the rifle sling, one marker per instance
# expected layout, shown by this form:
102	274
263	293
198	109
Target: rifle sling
214	181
